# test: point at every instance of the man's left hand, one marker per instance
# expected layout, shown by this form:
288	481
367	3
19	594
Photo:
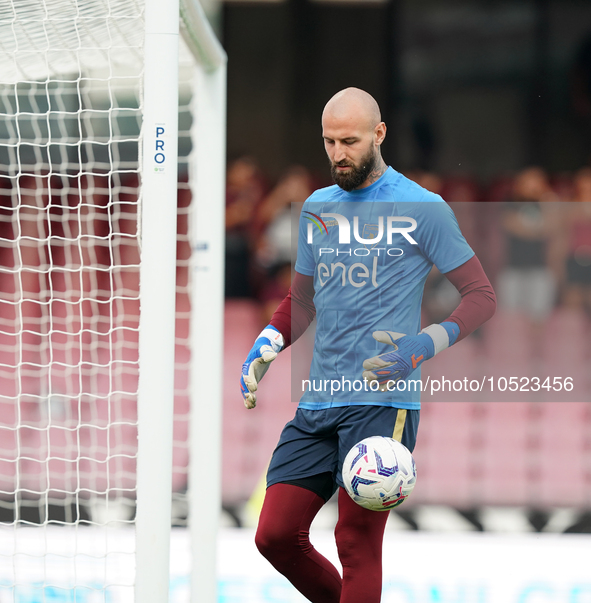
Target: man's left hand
408	354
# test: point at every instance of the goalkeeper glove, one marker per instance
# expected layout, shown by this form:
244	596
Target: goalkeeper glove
409	352
265	349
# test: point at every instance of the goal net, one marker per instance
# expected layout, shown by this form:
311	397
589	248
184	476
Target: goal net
71	114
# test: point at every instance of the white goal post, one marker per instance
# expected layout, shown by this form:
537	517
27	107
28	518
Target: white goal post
207	274
207	240
112	174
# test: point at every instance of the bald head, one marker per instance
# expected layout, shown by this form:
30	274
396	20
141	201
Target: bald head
354	107
353	132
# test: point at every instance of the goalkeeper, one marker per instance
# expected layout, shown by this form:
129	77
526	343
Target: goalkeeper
360	270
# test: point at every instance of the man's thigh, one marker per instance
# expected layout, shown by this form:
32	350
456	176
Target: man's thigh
308	446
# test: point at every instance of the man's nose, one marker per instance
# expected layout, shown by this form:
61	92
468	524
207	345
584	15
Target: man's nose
339	153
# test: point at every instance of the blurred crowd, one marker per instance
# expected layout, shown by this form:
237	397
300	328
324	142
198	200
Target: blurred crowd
258	230
531	230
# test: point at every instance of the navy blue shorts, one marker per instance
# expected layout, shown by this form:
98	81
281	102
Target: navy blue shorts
317	441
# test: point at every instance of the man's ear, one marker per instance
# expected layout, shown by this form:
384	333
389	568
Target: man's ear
380	133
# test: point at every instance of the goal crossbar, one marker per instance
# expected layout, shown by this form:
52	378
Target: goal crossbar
199	36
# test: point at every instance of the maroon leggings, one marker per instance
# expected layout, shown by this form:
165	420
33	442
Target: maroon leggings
283	539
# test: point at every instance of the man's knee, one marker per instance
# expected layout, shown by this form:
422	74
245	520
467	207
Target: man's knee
285	519
266	540
275	539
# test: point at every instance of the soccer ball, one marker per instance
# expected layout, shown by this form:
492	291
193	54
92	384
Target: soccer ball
379	473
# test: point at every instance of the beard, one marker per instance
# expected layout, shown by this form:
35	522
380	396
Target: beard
357	175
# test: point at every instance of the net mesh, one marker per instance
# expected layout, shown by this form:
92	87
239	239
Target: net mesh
70	197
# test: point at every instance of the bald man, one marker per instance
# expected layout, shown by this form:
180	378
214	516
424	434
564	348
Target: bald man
365	248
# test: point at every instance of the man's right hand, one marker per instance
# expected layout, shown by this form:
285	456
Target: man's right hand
265	349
